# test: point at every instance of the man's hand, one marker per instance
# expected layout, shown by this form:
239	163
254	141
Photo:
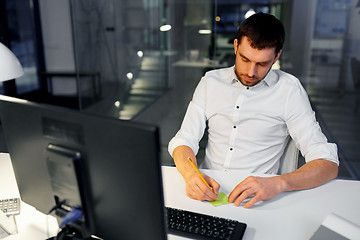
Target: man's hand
259	187
197	189
310	175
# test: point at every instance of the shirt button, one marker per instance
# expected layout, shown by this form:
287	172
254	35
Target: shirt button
231	149
237	107
234	126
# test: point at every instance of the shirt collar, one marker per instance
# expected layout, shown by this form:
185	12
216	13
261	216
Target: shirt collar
270	79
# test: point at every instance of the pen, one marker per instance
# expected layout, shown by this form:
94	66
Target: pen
198	172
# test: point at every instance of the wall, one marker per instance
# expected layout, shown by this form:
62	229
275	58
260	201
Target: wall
58	43
303	14
57	35
353	38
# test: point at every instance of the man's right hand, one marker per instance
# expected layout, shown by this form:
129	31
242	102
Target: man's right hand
197	189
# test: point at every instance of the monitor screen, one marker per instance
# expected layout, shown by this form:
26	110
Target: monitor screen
109	167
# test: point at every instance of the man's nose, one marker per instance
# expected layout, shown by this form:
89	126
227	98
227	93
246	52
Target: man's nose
252	70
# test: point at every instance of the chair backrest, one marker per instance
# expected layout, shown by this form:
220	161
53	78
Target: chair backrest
289	159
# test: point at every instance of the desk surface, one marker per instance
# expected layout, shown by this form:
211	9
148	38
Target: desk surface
290	215
31	224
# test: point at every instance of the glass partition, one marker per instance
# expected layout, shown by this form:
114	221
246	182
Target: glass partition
333	77
17	32
129	53
120	54
142	59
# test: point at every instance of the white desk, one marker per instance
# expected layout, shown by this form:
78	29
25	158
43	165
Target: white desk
292	215
31	224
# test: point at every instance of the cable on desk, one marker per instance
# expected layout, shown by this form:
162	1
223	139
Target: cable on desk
66	231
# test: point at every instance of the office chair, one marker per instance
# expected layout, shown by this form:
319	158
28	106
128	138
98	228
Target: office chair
355	69
289	159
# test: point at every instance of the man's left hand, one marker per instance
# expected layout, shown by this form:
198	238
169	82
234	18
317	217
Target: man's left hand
261	188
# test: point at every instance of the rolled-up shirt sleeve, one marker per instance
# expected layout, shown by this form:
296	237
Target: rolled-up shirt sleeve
306	131
194	122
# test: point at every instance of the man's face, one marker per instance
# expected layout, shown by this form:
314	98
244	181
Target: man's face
252	65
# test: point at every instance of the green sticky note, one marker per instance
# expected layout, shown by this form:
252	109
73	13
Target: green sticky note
222	200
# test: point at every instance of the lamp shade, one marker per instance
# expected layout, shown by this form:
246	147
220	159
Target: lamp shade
10	67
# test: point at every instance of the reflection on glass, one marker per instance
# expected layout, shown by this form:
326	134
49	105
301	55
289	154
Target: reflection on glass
117	38
171	34
113	38
107	37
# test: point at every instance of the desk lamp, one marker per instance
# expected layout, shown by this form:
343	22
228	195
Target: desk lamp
10	68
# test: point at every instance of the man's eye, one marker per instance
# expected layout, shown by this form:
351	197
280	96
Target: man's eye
245	60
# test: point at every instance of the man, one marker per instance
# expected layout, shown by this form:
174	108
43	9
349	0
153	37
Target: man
251	112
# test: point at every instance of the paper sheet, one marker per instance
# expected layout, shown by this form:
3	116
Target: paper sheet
223	199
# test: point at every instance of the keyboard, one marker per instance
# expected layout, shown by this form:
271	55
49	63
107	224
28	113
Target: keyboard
10	206
200	226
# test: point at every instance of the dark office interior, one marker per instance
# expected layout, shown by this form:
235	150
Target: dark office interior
140	60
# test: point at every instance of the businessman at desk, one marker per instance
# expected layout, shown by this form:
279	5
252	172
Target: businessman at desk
251	111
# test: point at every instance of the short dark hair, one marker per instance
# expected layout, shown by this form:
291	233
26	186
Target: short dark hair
263	30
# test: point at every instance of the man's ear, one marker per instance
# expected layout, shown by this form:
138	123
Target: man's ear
236	44
277	56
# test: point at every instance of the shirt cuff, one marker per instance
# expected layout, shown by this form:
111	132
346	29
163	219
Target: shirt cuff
179	141
328	152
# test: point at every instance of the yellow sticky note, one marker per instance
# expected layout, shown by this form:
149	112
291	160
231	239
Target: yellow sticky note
223	199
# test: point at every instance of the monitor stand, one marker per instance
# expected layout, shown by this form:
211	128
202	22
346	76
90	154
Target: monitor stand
69	233
67	179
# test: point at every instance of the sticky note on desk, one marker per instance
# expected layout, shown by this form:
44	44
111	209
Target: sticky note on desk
222	200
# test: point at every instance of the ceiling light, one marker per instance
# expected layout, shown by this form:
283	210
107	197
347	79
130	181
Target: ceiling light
129	75
204	31
140	54
117	104
165	28
249	13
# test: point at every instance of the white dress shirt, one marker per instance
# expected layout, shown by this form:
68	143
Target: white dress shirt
248	127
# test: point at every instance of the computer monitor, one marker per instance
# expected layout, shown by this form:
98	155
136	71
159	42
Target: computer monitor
109	168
